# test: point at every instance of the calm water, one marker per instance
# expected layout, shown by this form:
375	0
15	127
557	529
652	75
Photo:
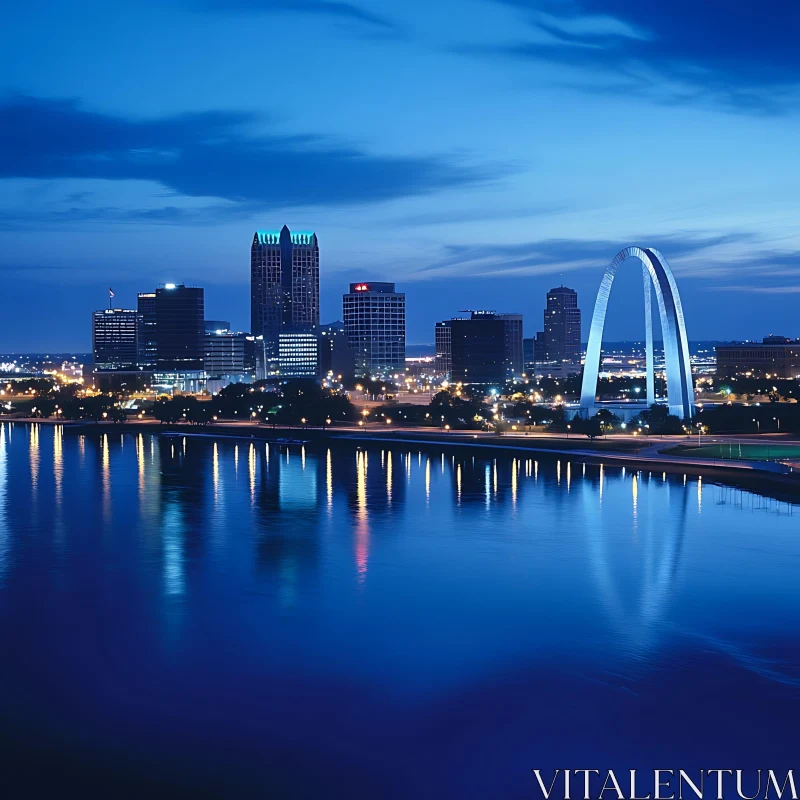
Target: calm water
202	617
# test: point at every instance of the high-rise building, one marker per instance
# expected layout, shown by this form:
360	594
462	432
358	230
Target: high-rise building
179	336
375	324
486	348
115	339
562	332
146	305
335	355
284	284
443	364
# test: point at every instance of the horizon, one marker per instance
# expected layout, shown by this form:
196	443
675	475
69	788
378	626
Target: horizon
492	150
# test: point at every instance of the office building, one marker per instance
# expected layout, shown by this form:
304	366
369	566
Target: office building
298	354
773	357
229	357
179	336
284	285
335	355
115	339
146	306
486	348
375	324
443	363
559	351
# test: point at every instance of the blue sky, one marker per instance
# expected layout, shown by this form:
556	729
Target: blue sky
476	152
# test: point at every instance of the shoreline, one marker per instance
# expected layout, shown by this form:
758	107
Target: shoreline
759	476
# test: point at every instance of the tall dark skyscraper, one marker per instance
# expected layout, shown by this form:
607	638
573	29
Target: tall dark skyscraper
284	285
179	330
146	306
562	332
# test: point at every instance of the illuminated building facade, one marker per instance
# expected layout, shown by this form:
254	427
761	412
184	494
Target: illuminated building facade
115	339
559	350
298	354
374	317
284	284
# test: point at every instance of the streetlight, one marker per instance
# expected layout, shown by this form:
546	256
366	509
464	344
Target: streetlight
569	428
758	423
778	421
447	427
388	421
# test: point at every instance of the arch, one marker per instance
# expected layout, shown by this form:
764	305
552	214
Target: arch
655	271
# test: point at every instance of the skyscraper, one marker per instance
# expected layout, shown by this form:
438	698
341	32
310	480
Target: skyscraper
562	332
375	324
115	339
179	336
284	284
146	305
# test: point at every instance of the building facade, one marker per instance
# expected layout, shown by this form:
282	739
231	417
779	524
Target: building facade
773	357
374	316
443	364
559	352
146	306
298	355
115	339
335	355
486	348
284	284
226	354
180	337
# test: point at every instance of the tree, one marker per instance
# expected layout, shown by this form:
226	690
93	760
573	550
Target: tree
592	427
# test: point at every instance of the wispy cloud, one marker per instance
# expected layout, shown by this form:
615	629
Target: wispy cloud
327	8
751	289
554	256
717	53
214	154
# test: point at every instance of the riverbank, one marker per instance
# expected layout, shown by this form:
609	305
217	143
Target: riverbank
757	475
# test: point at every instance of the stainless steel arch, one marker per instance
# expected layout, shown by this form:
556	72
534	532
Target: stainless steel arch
680	389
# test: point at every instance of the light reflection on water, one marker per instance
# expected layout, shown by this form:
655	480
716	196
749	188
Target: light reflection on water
494	611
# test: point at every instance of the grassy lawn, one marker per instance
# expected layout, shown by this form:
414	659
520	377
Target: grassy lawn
749	452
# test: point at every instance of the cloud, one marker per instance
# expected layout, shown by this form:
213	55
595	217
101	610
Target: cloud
718	52
750	289
328	8
214	154
553	256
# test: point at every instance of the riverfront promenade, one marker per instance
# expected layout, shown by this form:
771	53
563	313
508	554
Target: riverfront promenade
672	453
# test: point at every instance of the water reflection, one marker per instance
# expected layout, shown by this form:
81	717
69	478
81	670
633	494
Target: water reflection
3	502
427	582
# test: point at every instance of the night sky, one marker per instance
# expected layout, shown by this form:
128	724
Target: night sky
476	152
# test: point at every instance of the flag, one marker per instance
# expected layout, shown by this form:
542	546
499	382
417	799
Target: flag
110	292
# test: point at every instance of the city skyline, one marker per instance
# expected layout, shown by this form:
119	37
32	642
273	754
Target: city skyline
506	155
